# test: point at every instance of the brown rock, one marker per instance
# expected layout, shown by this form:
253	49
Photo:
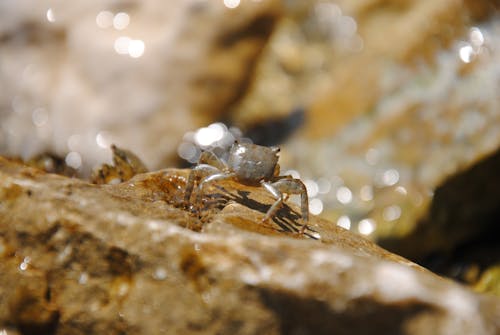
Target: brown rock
465	207
458	236
116	259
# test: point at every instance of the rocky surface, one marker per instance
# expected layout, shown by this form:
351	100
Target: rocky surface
130	258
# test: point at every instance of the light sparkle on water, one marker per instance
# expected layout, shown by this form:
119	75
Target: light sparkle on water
344	195
344	221
231	3
366	226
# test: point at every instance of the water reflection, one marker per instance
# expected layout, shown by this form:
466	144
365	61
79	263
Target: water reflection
366	226
340	29
104	139
311	187
231	3
207	136
390	177
40	117
216	137
25	263
50	15
136	48
391	213
121	21
83	279
344	195
315	206
466	53
73	159
104	19
324	185
124	45
470	49
476	37
344	221
160	273
366	193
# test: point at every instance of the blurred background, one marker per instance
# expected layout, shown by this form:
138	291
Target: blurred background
388	110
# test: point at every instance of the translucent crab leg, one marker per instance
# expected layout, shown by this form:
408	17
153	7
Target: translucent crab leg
277	204
289	186
209	179
195	174
208	163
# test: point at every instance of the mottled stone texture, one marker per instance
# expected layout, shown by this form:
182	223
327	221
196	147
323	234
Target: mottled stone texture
78	258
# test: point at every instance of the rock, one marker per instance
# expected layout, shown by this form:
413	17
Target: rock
140	74
489	281
118	259
335	57
464	208
460	226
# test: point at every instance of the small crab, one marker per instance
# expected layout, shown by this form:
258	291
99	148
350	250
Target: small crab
125	165
252	165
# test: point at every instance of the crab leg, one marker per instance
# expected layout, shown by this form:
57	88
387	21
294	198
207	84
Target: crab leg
288	186
277	204
210	179
208	163
194	175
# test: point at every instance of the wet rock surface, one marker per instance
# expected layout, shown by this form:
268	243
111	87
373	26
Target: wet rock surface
131	258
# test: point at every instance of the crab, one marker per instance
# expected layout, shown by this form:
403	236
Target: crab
252	165
125	165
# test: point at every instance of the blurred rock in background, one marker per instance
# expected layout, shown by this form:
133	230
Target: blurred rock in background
398	97
79	76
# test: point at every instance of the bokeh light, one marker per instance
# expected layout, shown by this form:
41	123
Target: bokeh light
344	221
50	15
231	3
366	226
121	21
315	206
391	213
104	19
121	45
466	53
40	117
344	195
136	48
74	160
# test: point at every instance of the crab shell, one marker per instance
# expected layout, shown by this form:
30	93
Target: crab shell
252	163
